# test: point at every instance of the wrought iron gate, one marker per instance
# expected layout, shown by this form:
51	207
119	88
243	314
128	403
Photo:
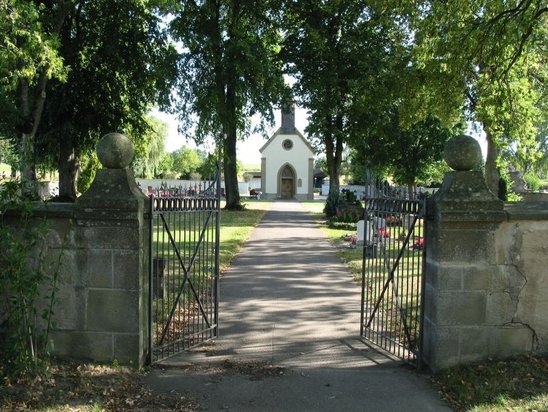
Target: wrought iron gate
184	267
393	272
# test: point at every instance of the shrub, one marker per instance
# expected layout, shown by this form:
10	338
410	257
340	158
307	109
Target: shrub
331	205
342	225
24	333
533	181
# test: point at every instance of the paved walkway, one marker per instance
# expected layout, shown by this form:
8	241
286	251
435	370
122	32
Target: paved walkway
289	322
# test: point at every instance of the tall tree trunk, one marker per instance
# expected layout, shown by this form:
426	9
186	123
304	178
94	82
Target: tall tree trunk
68	171
334	148
492	175
232	191
30	112
411	188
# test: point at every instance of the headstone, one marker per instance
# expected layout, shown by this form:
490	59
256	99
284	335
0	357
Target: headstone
364	232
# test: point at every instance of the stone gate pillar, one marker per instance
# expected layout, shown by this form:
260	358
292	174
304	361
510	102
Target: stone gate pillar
466	312
110	234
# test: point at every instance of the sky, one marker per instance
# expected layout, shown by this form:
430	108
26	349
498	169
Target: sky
248	150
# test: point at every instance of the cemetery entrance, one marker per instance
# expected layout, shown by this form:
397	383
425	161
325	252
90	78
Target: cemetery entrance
183	268
392	272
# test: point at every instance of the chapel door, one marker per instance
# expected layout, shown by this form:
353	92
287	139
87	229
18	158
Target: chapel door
287	183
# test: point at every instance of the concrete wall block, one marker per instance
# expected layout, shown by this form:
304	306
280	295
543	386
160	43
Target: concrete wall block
111	216
443	349
478	277
431	273
501	308
431	303
474	343
450	277
466	246
127	349
100	268
508	279
83	345
461	308
511	340
67	314
126	267
505	242
113	311
532	309
109	237
61	264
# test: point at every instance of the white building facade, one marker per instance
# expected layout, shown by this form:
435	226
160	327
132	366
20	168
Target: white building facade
287	163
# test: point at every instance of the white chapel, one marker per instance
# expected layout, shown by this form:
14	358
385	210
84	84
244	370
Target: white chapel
287	162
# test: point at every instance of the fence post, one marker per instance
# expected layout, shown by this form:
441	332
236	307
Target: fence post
463	321
110	235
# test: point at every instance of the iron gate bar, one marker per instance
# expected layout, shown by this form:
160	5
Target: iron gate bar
394	321
187	276
181	235
391	273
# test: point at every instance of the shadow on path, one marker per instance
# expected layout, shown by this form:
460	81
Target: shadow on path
289	334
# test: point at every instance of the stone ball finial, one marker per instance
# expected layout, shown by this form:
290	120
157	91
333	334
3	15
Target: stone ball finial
462	153
115	151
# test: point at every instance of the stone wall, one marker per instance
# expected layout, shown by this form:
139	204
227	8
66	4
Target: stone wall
485	286
97	247
522	251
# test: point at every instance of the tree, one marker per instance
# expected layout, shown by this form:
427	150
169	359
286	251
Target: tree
208	168
406	154
186	161
229	69
149	148
487	55
119	59
29	59
337	50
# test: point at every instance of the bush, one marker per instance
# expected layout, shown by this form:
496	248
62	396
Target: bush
24	333
331	205
342	225
533	181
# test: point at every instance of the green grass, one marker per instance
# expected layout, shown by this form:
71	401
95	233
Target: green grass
236	227
519	384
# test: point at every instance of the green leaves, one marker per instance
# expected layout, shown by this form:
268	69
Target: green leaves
27	47
485	55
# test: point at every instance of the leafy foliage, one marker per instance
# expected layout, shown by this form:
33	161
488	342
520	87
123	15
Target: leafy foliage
407	154
489	57
149	148
28	292
120	63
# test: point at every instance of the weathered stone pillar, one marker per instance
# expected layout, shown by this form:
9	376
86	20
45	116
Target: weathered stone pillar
110	236
466	315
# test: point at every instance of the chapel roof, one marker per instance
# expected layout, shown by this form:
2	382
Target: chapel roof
288	128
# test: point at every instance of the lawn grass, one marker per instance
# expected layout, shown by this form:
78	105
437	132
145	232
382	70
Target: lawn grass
236	227
350	257
519	384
